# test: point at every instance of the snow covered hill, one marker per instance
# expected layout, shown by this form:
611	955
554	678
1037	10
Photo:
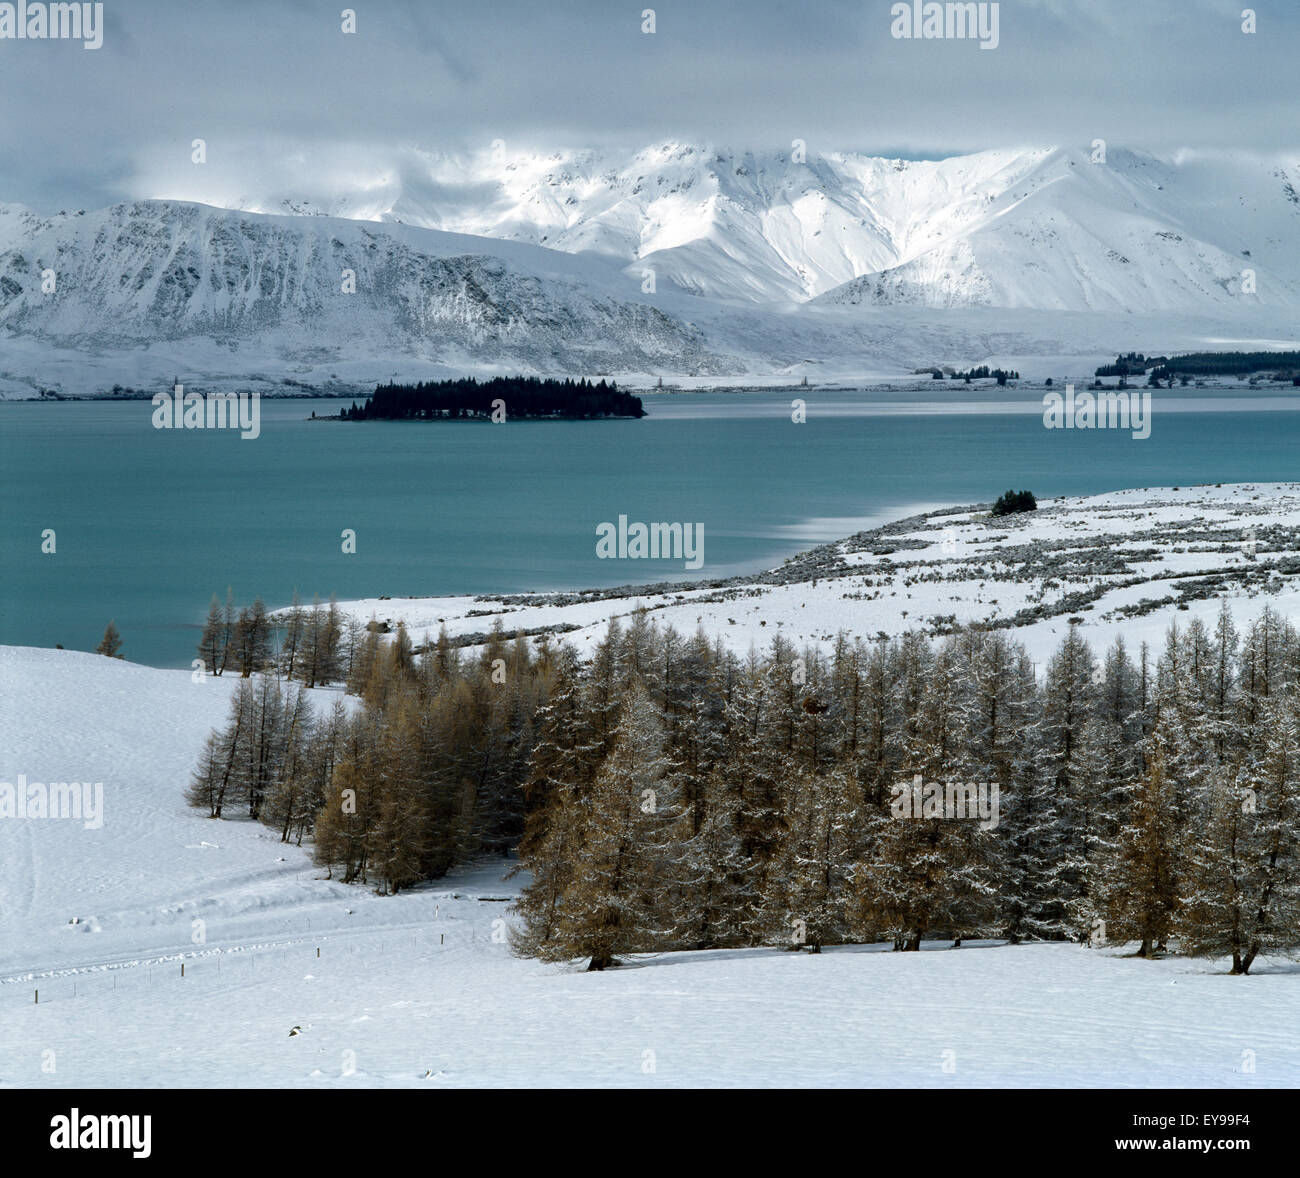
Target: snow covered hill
300	981
132	882
306	289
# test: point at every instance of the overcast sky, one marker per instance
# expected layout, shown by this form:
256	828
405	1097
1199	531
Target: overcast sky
267	81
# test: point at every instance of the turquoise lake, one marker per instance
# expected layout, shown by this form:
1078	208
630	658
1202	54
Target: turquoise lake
150	523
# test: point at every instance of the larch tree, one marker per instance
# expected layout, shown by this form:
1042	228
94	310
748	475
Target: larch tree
1141	883
211	648
555	795
111	643
810	897
295	628
1243	892
626	861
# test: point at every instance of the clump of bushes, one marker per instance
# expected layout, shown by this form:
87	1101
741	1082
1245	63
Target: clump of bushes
1011	502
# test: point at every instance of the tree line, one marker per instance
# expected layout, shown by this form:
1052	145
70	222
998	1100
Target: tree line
668	793
419	766
312	645
1002	375
1284	365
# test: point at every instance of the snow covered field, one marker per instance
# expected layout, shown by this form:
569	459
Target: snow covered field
389	1004
292	979
1126	563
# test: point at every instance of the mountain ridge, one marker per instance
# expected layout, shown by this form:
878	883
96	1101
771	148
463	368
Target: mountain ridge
777	226
992	258
143	272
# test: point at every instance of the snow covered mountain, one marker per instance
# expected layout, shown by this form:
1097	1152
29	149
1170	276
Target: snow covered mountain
764	265
139	274
1040	228
1135	234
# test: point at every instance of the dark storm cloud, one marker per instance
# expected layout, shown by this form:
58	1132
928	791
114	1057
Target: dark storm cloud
265	82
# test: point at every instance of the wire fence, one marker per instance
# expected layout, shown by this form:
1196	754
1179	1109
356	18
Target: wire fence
213	969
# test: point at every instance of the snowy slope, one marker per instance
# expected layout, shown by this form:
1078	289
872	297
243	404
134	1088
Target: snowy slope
443	1005
1135	233
304	982
135	884
274	287
419	990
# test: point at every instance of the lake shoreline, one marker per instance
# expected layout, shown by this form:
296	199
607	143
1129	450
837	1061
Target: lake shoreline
1089	560
884	385
181	515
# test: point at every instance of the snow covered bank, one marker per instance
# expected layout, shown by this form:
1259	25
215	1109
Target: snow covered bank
1127	562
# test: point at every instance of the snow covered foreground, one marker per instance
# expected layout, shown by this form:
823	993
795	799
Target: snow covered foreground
418	989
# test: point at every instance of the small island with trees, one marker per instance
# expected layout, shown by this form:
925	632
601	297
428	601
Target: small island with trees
501	398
